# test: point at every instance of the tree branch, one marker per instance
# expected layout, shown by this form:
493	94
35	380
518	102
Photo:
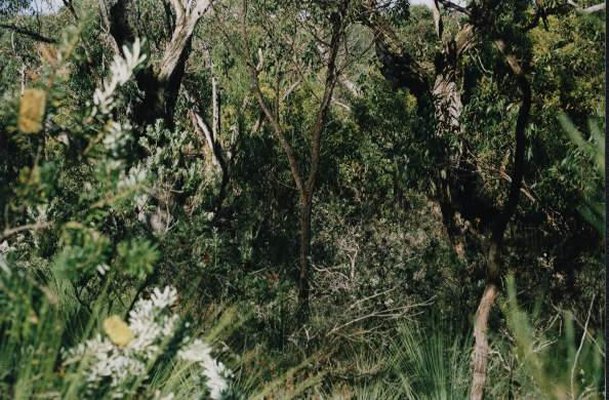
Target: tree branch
520	130
29	33
587	10
331	78
452	6
273	119
8	232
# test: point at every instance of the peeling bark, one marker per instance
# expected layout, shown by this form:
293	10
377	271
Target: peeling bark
160	84
481	349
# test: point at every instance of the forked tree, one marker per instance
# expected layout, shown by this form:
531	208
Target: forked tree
282	58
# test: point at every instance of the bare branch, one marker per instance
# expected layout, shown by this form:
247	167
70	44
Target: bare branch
8	232
272	118
437	18
587	10
29	33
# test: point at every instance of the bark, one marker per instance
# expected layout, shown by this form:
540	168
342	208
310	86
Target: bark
480	358
458	182
441	100
29	33
305	249
448	107
160	84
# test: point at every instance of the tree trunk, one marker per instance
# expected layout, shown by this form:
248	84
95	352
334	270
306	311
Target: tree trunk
160	84
448	108
306	201
480	356
481	348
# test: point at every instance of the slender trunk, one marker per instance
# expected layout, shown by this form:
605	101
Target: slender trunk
306	201
480	356
481	348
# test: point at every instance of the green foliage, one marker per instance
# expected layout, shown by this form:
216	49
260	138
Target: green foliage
594	209
96	208
562	367
431	366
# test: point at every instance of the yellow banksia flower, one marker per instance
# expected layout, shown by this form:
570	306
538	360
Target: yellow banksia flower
118	331
31	110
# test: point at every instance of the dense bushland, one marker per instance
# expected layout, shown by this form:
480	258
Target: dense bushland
344	199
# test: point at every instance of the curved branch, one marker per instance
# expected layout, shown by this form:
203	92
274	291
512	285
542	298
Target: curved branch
331	79
520	130
270	116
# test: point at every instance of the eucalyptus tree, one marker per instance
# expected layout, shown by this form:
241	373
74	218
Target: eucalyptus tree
299	54
474	217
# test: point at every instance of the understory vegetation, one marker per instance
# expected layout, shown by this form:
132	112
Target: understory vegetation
345	199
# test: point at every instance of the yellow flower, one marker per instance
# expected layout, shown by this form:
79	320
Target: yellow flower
31	110
118	331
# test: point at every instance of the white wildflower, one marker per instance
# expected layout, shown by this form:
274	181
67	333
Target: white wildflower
152	325
214	371
159	396
3	265
116	136
196	351
121	70
136	176
102	269
164	298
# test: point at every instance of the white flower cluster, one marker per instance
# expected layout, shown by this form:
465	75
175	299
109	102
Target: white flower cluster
116	137
121	70
214	371
136	176
151	324
4	248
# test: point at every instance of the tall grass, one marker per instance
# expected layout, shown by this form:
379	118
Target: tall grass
566	362
40	322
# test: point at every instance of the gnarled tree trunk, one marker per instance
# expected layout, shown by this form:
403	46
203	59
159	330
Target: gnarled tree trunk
494	267
160	83
458	189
